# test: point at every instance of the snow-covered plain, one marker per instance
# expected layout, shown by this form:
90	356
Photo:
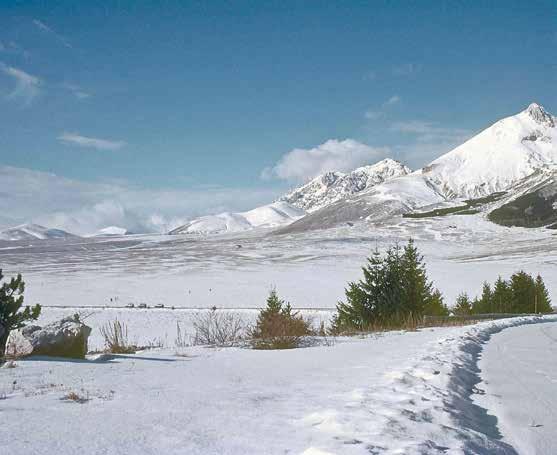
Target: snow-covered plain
393	393
519	378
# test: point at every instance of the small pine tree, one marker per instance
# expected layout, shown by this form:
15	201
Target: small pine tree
11	316
435	306
277	326
542	295
523	293
417	291
501	296
463	307
486	300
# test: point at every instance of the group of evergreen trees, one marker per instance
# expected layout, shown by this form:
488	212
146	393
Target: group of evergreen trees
522	293
394	290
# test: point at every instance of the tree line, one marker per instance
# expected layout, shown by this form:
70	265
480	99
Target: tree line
522	293
396	291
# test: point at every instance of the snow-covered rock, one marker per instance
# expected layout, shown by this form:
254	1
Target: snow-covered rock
34	232
272	215
65	338
333	186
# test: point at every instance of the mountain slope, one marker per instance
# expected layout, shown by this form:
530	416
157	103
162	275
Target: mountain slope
34	232
535	207
513	155
333	186
501	155
272	215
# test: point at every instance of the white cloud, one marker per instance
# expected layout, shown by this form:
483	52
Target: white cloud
27	86
92	142
373	115
45	28
333	155
86	207
395	99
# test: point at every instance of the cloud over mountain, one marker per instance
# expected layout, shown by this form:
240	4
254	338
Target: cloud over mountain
333	155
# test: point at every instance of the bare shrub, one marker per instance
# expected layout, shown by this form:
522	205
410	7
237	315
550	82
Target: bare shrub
218	328
115	336
76	397
278	327
180	342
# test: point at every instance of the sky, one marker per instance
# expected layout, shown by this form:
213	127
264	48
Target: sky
149	113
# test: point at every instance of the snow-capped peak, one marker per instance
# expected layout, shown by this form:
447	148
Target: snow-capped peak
333	186
540	115
498	157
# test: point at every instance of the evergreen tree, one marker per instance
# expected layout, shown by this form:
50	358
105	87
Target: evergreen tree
417	291
523	293
11	315
484	304
501	296
486	300
542	295
362	297
394	289
463	307
277	326
435	306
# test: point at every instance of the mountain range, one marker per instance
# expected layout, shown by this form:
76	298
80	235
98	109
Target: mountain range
509	160
507	173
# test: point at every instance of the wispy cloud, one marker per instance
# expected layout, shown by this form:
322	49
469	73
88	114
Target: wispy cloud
374	114
46	29
77	91
11	47
85	207
333	155
395	99
430	131
407	69
27	86
370	75
91	142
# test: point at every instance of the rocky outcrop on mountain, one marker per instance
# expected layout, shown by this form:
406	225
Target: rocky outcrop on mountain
334	186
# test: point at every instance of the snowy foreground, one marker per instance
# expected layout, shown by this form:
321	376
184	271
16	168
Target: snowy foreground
519	372
399	392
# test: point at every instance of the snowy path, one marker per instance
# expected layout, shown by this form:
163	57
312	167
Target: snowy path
397	393
519	368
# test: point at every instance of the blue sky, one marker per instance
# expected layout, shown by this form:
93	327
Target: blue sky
199	97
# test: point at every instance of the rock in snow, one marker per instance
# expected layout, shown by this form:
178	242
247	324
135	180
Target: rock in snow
65	338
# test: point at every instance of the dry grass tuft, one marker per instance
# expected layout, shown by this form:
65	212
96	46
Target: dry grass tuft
115	336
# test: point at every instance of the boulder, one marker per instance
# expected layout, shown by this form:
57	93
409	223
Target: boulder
65	338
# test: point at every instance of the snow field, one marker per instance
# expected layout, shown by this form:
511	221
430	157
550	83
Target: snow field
400	392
